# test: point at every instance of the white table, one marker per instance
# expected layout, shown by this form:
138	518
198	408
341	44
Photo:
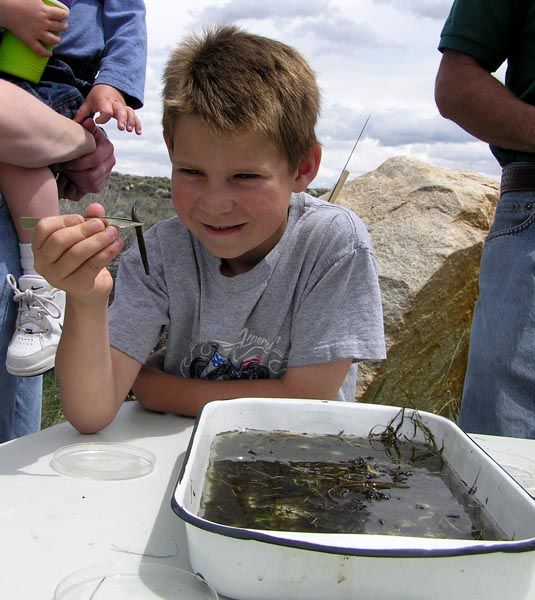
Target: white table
52	525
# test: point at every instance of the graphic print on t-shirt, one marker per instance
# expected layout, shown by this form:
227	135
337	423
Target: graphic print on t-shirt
248	357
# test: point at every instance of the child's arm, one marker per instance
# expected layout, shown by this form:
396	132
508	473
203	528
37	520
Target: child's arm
119	86
33	22
110	103
72	254
162	392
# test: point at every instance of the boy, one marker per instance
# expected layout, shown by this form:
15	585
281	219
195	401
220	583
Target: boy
266	290
98	67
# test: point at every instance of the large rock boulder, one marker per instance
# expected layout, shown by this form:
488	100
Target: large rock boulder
428	225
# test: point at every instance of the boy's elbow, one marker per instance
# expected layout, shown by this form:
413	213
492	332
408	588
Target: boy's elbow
88	424
87	428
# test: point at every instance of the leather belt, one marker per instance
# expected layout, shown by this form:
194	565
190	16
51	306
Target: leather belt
518	177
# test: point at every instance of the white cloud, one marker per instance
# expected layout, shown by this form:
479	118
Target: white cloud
434	9
276	10
335	34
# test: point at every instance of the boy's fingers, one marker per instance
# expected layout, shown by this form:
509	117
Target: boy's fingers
66	250
96	262
94	210
81	273
46	227
55	236
80	240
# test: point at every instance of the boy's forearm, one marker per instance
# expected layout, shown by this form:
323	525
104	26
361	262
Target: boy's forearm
84	368
164	392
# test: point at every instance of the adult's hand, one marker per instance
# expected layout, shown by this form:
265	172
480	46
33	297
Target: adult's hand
87	174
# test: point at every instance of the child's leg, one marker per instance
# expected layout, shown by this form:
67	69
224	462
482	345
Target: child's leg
32	193
28	193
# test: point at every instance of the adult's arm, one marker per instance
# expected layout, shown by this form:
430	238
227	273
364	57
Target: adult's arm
469	95
33	135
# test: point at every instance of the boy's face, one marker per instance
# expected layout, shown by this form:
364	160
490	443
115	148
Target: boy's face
231	192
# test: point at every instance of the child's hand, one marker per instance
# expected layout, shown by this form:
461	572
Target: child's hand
109	102
34	22
72	254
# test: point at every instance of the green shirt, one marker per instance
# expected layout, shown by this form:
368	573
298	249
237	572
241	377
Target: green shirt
495	31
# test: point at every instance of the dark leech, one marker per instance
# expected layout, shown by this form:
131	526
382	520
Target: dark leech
141	241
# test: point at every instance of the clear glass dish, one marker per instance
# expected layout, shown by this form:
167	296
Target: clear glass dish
103	461
132	580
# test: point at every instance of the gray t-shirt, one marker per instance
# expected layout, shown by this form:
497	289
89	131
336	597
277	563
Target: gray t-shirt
313	299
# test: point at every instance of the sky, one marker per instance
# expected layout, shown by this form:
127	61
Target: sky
371	57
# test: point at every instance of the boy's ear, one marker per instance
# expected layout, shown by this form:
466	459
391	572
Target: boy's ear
307	169
168	139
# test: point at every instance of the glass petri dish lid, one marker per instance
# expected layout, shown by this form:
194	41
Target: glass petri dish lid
103	461
127	580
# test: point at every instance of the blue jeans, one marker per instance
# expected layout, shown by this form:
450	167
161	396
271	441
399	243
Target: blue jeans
499	387
59	88
20	397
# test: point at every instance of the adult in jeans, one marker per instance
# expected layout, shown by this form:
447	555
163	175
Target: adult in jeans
33	135
478	36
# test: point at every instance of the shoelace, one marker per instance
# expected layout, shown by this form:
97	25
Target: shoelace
39	307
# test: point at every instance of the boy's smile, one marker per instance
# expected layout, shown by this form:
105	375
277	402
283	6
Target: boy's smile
232	191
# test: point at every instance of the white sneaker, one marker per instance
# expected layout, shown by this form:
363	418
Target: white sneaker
32	349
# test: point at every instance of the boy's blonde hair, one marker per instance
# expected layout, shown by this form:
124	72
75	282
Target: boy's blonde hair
236	81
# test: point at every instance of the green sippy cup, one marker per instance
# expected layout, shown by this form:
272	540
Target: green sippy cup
16	58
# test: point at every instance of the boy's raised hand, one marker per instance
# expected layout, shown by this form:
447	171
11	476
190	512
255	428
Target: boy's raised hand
34	22
109	103
72	253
